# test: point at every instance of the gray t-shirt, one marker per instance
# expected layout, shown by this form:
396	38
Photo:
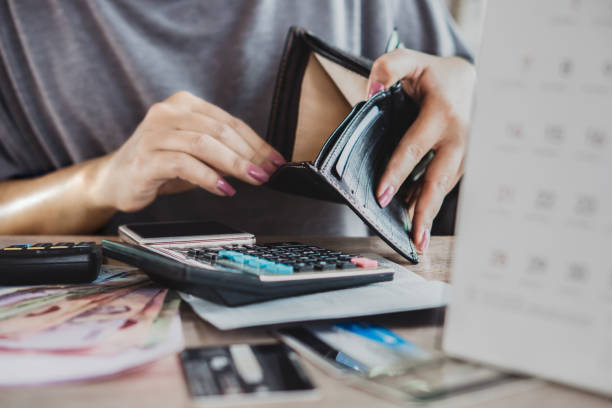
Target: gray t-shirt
76	78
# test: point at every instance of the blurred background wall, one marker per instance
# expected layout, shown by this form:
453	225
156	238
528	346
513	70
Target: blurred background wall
468	14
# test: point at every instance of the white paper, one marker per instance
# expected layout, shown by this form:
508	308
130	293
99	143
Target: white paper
408	291
532	274
32	368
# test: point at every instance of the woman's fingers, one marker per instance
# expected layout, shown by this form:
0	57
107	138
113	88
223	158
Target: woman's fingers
202	107
184	142
443	88
215	154
422	135
441	176
395	65
197	123
169	165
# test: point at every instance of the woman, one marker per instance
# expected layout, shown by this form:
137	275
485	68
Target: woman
108	106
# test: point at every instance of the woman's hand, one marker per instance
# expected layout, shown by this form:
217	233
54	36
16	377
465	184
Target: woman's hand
182	142
443	87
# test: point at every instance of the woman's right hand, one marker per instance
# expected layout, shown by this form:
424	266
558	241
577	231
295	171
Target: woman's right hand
182	142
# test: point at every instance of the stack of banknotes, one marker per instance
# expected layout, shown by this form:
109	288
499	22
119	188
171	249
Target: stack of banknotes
73	332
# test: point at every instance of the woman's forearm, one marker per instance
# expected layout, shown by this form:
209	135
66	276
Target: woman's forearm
182	143
61	202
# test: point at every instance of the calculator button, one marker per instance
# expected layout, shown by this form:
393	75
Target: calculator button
346	265
207	256
303	267
324	266
41	245
19	246
329	258
253	264
62	245
85	244
365	262
234	256
284	269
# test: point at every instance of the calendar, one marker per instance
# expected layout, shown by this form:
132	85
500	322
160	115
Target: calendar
532	269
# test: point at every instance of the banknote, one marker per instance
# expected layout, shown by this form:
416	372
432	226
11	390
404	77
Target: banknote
135	330
121	320
27	299
162	322
59	311
90	328
121	309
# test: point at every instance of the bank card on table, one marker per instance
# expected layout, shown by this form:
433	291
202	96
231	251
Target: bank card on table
244	373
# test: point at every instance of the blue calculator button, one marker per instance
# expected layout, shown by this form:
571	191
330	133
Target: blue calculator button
21	246
251	261
284	269
253	264
267	266
232	256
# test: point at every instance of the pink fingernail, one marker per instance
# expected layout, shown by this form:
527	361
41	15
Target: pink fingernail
225	187
268	168
386	196
375	87
277	159
257	173
425	240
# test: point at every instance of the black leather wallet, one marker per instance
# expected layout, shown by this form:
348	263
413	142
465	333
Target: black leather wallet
339	144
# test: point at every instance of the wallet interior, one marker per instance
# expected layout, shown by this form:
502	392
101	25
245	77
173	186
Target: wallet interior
328	93
337	143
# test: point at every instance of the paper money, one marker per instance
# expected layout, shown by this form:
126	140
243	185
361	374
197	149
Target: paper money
162	322
52	368
28	299
50	315
90	328
136	329
83	331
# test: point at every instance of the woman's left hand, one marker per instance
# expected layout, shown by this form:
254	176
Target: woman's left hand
443	87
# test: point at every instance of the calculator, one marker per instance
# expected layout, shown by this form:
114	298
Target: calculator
49	263
239	271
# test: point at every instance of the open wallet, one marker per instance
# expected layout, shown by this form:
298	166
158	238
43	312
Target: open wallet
338	143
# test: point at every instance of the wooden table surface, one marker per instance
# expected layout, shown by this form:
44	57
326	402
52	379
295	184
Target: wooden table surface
160	384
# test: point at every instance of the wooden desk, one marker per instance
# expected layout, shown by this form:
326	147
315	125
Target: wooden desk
160	384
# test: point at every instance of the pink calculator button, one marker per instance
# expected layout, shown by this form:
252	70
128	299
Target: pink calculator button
365	262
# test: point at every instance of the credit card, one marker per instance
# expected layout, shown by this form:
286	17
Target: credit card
370	349
436	378
245	372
